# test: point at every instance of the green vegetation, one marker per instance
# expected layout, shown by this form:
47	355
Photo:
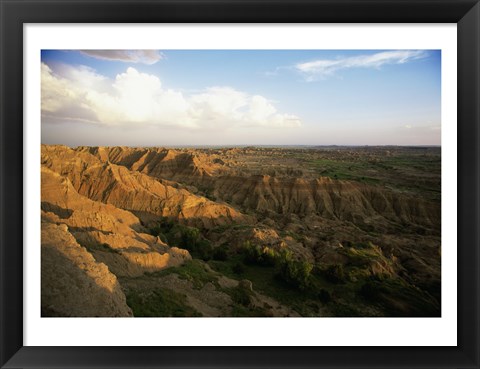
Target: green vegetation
255	254
240	295
416	172
360	280
194	271
263	280
294	272
342	289
164	302
397	298
361	256
159	302
289	281
343	170
189	238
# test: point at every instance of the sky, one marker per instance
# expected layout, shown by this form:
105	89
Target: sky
240	97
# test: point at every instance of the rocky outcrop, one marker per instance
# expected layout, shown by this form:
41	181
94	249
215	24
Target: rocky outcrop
131	190
60	198
326	197
329	198
73	282
159	162
135	264
113	236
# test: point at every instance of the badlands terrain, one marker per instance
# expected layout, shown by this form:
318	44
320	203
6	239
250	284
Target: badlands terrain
240	231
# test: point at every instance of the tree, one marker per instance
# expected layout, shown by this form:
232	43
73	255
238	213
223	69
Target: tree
189	237
295	272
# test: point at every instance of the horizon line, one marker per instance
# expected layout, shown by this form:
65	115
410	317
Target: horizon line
245	145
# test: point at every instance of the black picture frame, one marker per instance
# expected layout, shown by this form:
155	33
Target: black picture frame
14	13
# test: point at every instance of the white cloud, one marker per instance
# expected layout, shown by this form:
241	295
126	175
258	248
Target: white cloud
129	56
65	97
218	105
322	68
134	98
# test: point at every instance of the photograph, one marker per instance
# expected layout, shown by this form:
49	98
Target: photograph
241	183
268	184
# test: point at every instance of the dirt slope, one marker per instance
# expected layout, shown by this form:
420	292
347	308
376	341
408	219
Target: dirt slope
73	282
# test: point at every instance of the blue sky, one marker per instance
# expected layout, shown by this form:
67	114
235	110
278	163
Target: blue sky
241	97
